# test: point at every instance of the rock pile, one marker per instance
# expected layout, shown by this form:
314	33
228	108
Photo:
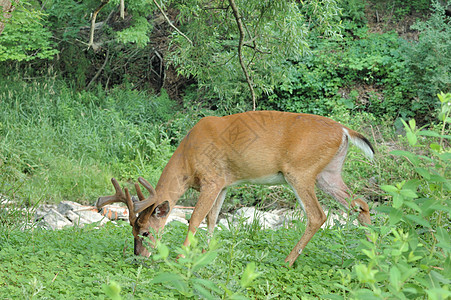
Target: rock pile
68	213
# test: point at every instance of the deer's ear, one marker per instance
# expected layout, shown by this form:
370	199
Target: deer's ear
162	210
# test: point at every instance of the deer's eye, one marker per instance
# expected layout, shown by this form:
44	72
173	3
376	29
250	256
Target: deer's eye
145	233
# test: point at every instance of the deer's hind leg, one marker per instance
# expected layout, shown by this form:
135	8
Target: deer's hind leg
305	192
331	182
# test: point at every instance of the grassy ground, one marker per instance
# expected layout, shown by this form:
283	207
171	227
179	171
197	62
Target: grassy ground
79	263
57	144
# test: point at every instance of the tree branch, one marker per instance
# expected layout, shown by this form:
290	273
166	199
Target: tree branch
100	70
236	13
170	23
122	9
93	22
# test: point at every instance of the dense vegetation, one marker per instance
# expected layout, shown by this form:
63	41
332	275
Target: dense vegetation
71	118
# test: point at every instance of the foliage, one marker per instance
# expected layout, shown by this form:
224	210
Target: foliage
349	68
378	73
66	19
184	277
70	143
409	255
212	55
353	12
95	262
25	36
400	8
333	77
428	60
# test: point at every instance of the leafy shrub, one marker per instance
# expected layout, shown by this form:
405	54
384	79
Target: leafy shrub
410	255
318	83
352	14
428	61
26	36
399	9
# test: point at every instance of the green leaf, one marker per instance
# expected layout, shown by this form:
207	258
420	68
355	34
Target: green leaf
113	290
395	216
249	275
429	133
163	252
423	172
385	209
409	155
418	220
413	205
192	239
395	278
412	138
173	280
445	156
203	291
397	201
438	293
444	238
389	188
203	260
438	178
412	257
412	124
208	284
408	193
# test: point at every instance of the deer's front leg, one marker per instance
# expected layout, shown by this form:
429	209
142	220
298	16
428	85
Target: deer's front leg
209	195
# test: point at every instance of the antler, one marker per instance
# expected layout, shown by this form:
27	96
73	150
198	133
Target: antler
145	202
131	212
120	197
134	207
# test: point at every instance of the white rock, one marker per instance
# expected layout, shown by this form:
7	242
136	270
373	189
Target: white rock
54	220
43	210
81	214
265	219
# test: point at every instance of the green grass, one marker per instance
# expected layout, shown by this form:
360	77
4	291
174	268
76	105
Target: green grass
76	263
66	145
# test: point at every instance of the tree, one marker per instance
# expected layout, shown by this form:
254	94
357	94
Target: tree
238	48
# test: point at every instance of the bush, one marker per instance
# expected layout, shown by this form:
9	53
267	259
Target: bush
409	255
339	74
428	62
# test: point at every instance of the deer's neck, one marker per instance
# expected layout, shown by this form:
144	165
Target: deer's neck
174	180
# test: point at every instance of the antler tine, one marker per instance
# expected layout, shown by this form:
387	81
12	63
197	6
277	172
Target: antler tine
147	185
145	202
118	197
138	191
131	213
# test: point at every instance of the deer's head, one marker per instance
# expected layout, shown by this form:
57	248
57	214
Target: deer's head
147	216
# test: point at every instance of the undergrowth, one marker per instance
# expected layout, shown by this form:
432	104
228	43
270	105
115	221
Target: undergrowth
66	145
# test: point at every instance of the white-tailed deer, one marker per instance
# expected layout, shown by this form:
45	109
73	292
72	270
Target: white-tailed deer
264	147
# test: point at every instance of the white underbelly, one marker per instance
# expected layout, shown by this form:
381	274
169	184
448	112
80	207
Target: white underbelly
273	179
